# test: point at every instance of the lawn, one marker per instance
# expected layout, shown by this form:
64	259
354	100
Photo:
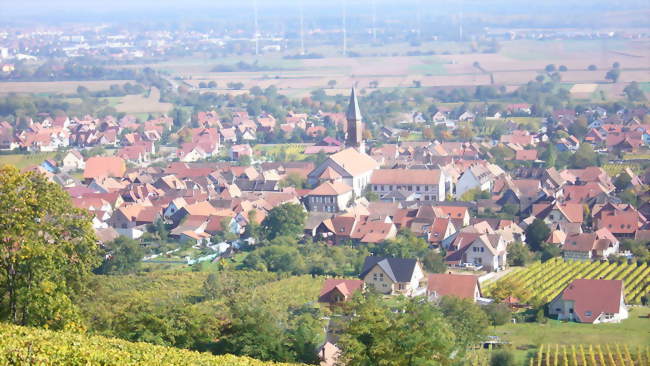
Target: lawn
632	332
293	152
22	161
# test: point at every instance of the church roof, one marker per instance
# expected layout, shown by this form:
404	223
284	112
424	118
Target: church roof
354	113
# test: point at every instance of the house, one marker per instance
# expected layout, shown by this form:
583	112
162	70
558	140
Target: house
479	250
526	155
355	168
448	284
337	290
590	301
73	160
555	214
587	246
393	276
103	167
237	151
330	196
478	176
622	220
426	184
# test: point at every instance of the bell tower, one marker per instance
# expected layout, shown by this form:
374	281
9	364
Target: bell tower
354	131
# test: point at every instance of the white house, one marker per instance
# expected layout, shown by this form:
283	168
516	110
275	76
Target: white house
354	167
424	183
591	301
478	176
393	276
73	160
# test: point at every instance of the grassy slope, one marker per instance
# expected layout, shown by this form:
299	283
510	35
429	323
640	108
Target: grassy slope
24	160
23	345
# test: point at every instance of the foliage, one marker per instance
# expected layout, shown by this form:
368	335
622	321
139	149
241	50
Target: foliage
634	92
434	262
584	157
613	75
622	181
519	254
124	256
498	314
47	251
468	322
502	358
536	234
22	345
284	254
414	334
293	180
405	245
287	219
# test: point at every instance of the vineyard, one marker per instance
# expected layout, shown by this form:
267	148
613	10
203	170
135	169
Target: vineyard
31	346
544	281
591	355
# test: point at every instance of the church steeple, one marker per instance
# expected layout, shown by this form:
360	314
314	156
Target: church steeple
354	133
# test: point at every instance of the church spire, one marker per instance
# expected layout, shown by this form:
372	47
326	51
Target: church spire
354	133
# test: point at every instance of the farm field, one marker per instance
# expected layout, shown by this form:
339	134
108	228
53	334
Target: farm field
596	355
54	87
515	64
22	161
143	104
544	281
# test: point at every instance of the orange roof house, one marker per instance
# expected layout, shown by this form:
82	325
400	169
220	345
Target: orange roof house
447	284
104	166
336	290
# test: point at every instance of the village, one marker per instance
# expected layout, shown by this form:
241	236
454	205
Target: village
210	187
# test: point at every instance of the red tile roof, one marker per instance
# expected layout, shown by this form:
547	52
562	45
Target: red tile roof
594	297
104	166
447	284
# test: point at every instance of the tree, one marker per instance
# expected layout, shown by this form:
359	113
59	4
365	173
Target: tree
550	251
212	84
508	288
634	93
293	179
622	181
47	251
592	68
405	245
584	157
563	68
467	320
616	65
502	358
124	256
414	334
536	234
518	254
498	314
434	262
373	84
286	219
417	84
331	84
180	116
549	68
613	75
252	229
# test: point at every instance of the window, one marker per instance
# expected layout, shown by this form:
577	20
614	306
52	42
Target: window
558	310
587	313
482	249
417	188
571	310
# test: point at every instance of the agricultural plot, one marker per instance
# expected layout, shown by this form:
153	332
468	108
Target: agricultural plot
591	355
143	104
544	281
56	87
22	161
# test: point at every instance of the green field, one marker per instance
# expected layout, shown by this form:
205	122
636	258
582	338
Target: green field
633	332
22	161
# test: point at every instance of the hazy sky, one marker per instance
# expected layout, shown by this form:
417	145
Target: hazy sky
131	9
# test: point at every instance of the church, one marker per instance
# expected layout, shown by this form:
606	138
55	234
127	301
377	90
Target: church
351	166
